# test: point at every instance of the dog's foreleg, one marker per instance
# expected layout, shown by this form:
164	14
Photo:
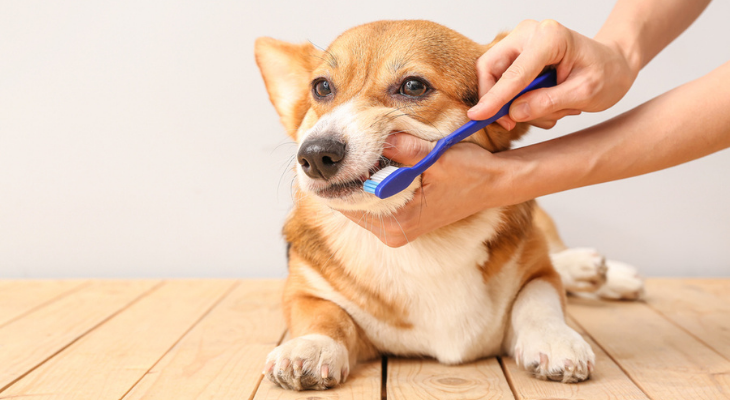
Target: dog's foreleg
540	340
323	348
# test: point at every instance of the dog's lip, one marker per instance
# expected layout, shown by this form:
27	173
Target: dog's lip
344	189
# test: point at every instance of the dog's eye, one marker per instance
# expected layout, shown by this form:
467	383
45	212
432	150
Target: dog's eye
322	88
413	88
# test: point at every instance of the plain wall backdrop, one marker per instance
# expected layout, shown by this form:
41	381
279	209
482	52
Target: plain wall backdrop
137	139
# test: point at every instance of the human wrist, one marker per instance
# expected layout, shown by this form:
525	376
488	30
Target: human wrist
627	49
510	176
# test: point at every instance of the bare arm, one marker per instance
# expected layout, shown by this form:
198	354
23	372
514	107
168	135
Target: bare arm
641	29
683	124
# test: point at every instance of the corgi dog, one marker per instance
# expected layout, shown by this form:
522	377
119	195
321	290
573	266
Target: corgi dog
491	284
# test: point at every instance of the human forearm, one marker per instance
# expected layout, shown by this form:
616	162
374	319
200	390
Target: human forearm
684	124
641	29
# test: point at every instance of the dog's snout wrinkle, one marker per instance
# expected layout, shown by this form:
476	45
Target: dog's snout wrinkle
321	158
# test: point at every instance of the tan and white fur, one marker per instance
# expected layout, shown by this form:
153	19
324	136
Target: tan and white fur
490	284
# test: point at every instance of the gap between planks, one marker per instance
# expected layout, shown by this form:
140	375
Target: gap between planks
674	313
106	362
42	334
222	355
662	359
20	298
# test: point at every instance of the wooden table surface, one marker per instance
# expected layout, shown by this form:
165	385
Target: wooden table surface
207	339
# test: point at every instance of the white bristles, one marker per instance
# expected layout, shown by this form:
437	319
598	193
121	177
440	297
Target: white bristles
383	173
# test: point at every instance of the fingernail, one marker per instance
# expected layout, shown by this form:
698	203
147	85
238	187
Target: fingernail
520	111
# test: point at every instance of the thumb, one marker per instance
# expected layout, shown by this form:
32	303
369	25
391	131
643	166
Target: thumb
406	149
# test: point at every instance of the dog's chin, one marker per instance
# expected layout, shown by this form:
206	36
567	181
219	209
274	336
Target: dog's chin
351	196
341	191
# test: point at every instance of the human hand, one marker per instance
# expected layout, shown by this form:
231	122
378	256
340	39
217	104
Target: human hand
592	75
451	190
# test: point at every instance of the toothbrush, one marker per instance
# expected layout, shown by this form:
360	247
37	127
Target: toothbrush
391	180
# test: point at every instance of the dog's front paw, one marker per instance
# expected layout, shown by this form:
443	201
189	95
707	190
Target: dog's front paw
581	269
308	362
556	353
622	282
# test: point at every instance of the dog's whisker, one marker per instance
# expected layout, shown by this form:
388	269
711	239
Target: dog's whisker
364	213
401	228
286	142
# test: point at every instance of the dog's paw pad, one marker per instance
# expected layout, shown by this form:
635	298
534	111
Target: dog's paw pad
622	282
581	269
308	362
558	354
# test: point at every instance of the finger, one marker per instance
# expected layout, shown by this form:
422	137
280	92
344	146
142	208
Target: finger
546	46
406	149
490	68
492	64
549	121
570	95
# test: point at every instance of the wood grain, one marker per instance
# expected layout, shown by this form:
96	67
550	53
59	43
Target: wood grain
607	382
29	341
202	339
18	298
222	357
428	379
694	307
363	384
108	361
718	286
665	361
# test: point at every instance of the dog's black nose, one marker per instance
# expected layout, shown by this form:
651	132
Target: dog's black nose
321	158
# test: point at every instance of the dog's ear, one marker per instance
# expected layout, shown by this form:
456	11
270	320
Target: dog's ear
286	69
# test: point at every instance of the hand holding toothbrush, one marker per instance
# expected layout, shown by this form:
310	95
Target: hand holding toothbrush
462	182
593	74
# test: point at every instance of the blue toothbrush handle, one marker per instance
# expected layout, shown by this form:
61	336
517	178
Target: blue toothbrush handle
548	79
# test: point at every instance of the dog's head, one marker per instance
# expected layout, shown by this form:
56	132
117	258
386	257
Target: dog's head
340	105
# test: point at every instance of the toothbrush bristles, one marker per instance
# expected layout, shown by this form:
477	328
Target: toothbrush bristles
383	173
372	183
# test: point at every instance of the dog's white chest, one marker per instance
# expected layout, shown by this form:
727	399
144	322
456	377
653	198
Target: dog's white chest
454	314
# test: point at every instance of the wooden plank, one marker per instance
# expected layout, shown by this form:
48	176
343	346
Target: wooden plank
428	379
29	341
693	307
665	361
18	298
363	384
607	381
222	357
718	286
107	362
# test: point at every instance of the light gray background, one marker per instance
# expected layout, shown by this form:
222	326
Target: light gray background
137	140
